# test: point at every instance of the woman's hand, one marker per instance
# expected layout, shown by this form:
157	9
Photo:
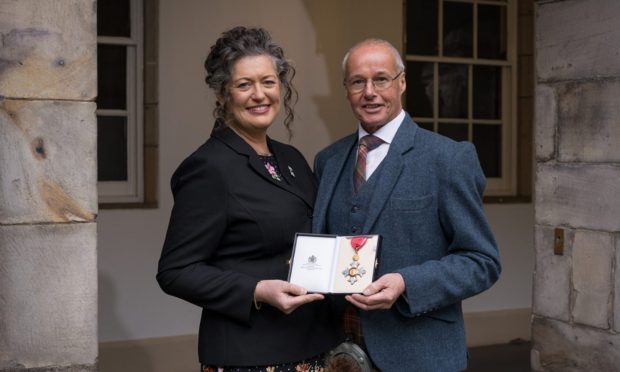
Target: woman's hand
283	295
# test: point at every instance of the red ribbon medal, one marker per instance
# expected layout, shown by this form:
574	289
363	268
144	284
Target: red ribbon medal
357	242
354	271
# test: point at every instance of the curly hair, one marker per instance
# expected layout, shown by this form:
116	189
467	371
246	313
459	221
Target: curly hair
235	44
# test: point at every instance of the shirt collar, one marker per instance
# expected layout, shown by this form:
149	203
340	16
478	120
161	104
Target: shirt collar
386	132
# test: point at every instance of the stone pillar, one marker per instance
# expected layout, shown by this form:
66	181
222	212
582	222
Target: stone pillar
48	185
576	301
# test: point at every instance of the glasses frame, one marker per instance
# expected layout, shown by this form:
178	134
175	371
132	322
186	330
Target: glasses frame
350	89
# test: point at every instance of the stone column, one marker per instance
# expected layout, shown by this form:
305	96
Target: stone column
48	185
576	301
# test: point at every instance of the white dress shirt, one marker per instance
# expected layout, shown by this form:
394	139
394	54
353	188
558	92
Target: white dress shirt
386	133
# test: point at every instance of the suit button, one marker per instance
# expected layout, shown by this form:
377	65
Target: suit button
355	209
354	229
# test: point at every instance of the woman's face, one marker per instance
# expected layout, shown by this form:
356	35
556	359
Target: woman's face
254	94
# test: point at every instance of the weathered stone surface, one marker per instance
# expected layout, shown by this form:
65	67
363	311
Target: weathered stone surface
562	347
577	185
552	275
577	39
617	285
578	195
47	161
546	120
535	361
593	255
48	49
48	295
588	121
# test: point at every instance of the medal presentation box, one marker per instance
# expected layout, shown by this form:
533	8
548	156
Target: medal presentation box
333	263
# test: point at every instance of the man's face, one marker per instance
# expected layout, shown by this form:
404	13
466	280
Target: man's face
374	107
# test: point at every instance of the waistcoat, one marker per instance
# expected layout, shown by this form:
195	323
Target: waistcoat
347	210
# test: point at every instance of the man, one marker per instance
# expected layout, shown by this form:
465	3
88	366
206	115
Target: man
422	193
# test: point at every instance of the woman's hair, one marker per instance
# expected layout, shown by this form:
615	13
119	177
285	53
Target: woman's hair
235	44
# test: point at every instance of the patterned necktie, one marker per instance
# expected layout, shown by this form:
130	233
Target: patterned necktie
366	144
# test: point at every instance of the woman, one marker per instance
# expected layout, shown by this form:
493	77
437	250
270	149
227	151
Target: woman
238	202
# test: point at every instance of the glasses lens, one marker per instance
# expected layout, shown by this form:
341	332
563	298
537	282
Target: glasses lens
357	85
379	83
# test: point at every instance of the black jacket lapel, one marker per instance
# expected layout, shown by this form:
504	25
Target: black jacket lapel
288	168
289	183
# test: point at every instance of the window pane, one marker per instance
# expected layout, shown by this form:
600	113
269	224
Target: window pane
491	32
488	141
487	92
111	148
422	27
420	89
112	76
452	90
457	132
113	18
457	29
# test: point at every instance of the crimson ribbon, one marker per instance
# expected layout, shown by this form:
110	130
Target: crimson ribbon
358	242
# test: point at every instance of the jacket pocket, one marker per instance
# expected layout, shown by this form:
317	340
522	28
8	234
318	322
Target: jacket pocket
447	314
402	204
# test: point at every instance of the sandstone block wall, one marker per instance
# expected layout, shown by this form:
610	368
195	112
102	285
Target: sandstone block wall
576	302
48	185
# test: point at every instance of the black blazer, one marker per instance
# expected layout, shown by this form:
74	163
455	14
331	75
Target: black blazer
232	225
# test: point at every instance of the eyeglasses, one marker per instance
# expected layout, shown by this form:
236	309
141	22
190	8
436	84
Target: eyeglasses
379	82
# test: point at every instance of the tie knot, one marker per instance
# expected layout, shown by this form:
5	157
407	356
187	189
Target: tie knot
370	142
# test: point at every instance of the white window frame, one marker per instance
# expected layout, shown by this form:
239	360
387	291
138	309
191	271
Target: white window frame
507	184
132	190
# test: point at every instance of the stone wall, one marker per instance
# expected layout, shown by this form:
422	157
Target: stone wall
48	185
576	305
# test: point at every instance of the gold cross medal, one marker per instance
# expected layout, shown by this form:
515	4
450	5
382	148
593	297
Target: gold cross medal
354	271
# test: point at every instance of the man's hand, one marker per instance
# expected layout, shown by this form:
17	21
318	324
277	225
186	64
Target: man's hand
380	294
283	295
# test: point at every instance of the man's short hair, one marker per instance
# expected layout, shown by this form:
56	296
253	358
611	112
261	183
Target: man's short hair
400	66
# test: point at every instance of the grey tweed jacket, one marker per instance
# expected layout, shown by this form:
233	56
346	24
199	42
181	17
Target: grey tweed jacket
427	207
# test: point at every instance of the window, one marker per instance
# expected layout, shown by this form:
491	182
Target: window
126	103
461	61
